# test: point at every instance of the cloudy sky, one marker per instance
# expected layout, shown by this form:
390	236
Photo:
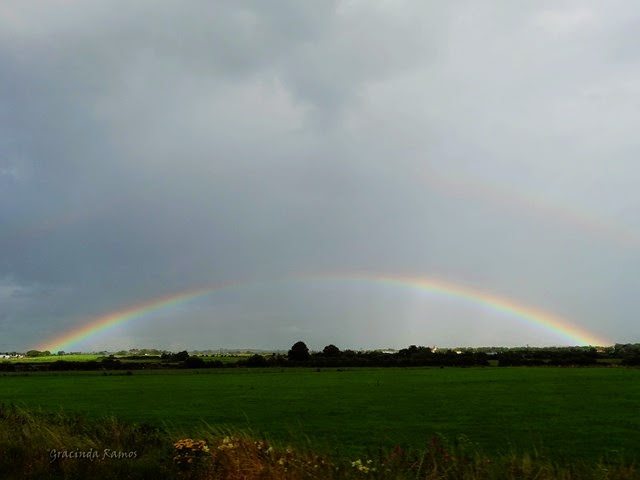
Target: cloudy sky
149	148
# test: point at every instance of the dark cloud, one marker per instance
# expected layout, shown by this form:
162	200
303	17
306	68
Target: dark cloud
149	148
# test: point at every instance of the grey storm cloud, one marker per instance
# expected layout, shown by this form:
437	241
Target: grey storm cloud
153	147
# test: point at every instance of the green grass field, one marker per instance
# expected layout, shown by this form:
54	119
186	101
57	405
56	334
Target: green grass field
568	413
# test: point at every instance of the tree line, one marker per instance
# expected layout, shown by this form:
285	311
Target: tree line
331	356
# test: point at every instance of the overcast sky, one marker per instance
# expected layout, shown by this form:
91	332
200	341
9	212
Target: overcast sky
155	146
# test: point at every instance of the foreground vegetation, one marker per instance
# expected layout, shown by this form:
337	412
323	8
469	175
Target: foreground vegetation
203	416
54	446
564	413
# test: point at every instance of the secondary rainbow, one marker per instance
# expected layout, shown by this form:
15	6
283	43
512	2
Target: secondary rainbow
554	324
509	198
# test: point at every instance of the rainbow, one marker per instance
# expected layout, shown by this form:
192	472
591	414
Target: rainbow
107	321
556	325
509	198
504	196
552	323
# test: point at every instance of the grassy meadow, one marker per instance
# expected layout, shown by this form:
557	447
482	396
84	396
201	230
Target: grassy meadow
563	413
41	446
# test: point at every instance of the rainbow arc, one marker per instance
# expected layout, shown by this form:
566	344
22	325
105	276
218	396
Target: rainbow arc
558	326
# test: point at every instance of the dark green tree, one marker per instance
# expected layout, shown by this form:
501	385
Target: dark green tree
180	356
331	351
299	352
257	361
194	362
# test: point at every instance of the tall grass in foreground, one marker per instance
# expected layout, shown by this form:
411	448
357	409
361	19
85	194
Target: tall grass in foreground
38	445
